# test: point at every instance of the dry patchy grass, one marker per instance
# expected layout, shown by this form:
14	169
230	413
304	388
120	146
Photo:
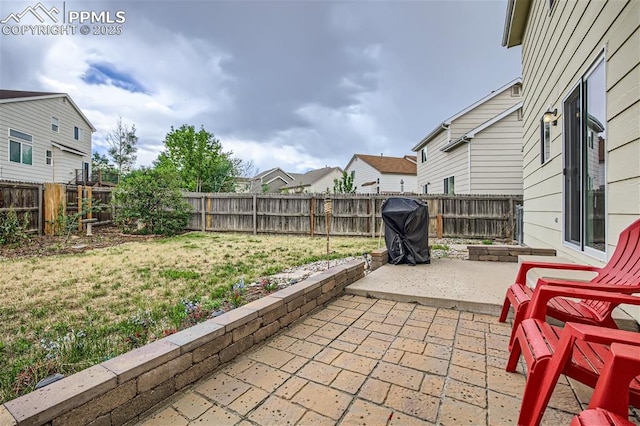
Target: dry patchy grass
109	294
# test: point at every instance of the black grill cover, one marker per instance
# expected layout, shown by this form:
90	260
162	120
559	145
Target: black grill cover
406	230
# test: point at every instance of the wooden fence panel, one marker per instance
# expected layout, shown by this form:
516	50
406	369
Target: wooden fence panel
103	196
230	213
55	200
23	198
287	214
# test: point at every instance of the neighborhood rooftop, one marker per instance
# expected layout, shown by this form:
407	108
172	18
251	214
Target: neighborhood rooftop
390	165
17	94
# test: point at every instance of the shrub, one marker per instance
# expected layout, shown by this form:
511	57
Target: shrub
149	201
12	228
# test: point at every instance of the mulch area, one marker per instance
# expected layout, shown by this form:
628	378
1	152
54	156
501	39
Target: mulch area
44	245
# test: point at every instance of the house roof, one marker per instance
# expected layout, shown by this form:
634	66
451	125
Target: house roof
8	96
18	94
388	165
446	123
268	172
515	22
471	133
311	177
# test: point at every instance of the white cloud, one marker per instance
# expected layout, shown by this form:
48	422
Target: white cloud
179	83
296	85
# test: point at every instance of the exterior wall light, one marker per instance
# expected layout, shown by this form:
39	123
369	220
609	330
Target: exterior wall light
551	116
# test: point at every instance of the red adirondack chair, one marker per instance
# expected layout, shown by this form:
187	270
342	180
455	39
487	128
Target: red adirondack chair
600	417
620	274
609	404
577	350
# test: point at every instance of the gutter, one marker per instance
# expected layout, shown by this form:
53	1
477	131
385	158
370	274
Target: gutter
462	139
442	126
508	22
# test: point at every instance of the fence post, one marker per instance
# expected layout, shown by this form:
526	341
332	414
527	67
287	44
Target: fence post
40	209
511	227
372	203
312	215
80	193
89	202
255	214
439	226
203	214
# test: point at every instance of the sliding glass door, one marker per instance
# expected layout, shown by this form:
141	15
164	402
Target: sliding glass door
584	154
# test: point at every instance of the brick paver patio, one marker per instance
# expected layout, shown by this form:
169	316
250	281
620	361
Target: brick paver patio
374	362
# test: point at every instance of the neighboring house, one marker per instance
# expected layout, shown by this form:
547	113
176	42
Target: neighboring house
44	137
581	65
243	185
270	181
314	181
477	150
377	174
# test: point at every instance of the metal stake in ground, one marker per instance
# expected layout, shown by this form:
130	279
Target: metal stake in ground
328	206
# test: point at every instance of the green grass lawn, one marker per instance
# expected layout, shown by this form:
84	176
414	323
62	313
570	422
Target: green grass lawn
61	314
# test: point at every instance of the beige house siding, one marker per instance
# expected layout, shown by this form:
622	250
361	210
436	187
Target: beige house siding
34	117
391	183
558	48
363	173
325	182
484	112
496	158
441	165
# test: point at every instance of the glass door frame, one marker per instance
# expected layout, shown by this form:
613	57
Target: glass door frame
581	246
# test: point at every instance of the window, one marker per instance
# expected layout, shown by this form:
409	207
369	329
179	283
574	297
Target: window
49	157
20	147
54	124
424	154
449	186
78	134
425	188
545	141
516	90
584	162
520	114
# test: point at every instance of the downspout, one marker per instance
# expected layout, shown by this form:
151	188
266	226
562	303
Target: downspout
469	163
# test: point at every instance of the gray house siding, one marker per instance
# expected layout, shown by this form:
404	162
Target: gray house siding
484	112
34	118
496	158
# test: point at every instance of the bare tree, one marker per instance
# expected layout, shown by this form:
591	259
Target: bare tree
247	168
122	147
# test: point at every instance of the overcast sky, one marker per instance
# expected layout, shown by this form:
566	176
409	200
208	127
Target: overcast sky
294	84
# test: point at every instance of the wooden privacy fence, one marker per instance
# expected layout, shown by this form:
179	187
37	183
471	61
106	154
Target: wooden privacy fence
47	202
465	216
23	198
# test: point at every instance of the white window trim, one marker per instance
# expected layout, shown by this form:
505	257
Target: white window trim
47	158
20	141
57	124
80	137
